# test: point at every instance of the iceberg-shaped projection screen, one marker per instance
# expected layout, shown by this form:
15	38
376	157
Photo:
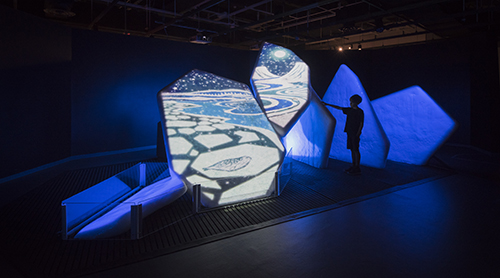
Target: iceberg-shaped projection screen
281	84
218	136
374	144
311	137
415	124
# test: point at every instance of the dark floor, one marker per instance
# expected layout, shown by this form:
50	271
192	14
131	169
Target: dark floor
440	220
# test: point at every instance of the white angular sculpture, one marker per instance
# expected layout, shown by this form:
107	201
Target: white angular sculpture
374	144
281	84
415	124
311	137
218	136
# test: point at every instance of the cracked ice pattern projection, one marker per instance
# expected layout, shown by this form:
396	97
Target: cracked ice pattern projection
414	123
374	144
281	83
219	137
311	137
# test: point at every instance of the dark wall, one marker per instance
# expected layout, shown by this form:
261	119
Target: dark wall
116	78
442	69
485	91
35	76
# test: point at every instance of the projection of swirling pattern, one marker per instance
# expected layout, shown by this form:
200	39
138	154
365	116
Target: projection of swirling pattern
281	83
218	136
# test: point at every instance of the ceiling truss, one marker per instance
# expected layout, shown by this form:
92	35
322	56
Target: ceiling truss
305	24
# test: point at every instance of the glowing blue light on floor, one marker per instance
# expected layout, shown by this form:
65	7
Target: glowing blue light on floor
374	144
415	124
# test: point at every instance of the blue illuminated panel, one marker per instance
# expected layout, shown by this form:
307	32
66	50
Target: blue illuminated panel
117	220
414	123
374	144
281	83
103	210
311	137
218	136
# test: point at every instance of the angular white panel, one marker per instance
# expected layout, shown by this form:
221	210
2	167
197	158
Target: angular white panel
281	83
374	144
415	124
311	137
221	113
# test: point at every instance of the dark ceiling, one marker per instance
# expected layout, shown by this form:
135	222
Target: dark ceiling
301	24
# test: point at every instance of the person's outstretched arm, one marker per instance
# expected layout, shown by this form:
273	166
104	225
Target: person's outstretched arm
332	105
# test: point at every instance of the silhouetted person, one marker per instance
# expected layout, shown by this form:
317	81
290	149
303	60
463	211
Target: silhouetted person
353	127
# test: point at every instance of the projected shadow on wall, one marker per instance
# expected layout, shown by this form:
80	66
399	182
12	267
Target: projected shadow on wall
374	144
218	136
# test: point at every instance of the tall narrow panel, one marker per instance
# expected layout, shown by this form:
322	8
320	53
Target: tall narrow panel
311	137
281	83
414	123
374	144
218	136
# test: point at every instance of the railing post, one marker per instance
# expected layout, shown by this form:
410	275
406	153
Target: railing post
136	221
276	184
64	231
196	198
142	174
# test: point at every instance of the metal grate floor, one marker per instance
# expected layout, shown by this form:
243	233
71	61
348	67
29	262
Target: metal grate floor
30	226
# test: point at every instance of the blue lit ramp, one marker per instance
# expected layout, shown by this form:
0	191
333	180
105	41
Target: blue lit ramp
374	144
415	124
104	210
281	84
217	135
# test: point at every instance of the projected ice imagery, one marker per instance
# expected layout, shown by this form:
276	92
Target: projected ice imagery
281	84
415	124
311	137
374	144
218	136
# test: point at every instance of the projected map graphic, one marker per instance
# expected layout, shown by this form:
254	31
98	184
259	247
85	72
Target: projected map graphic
281	82
218	136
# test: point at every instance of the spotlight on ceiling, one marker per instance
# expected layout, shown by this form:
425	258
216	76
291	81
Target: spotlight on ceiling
59	8
200	39
340	48
359	47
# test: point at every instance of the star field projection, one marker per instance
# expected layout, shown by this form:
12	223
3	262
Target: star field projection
278	60
200	81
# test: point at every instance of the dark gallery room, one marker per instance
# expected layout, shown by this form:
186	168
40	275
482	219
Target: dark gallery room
266	138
